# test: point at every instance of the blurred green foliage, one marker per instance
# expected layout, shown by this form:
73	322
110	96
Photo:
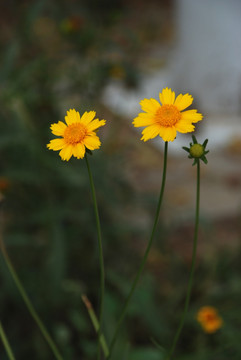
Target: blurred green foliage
56	55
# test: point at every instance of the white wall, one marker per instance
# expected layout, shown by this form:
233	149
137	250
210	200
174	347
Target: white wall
207	59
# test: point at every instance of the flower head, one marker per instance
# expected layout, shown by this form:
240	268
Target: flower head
209	319
167	118
197	151
77	135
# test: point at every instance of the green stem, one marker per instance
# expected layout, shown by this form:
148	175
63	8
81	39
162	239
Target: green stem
96	324
148	248
192	266
101	258
28	303
6	343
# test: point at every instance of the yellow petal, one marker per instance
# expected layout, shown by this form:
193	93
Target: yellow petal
149	105
56	144
183	101
168	133
72	117
95	124
167	96
66	152
143	119
150	132
58	129
184	126
191	115
79	151
92	142
87	117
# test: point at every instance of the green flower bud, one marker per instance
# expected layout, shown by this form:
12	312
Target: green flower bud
197	151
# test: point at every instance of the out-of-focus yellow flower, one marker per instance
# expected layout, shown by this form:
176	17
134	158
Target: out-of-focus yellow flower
77	135
209	319
167	118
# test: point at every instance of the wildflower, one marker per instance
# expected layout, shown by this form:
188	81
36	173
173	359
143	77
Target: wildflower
197	151
209	319
77	136
167	118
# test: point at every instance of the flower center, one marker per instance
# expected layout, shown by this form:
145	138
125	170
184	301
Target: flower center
196	150
210	317
167	115
75	133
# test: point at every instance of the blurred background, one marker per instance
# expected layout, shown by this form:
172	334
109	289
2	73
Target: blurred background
107	56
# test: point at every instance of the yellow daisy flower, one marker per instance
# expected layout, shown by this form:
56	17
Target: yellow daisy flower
77	135
209	319
167	118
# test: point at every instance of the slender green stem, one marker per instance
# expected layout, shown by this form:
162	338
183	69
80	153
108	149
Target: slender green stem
96	324
148	248
192	267
101	258
28	303
6	343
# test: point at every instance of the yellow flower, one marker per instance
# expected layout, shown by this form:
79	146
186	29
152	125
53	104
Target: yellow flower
167	118
209	319
77	135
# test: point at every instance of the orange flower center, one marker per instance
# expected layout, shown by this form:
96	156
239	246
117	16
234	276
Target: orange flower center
210	317
75	133
167	115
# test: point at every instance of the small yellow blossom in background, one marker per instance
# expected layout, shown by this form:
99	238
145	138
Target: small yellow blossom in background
209	319
167	118
77	135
